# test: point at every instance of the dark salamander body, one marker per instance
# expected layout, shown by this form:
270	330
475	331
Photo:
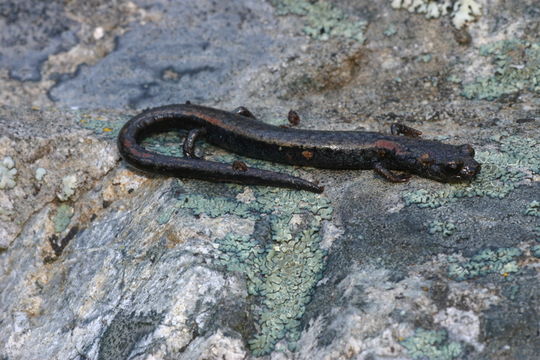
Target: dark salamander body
241	133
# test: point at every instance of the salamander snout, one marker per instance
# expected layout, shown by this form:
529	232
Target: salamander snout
470	170
447	163
462	167
461	170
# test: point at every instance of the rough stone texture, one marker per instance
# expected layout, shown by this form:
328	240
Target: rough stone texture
31	32
100	261
44	42
155	64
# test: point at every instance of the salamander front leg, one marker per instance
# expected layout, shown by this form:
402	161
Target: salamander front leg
242	110
400	129
389	175
189	142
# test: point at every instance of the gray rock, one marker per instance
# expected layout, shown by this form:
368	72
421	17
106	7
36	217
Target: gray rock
31	32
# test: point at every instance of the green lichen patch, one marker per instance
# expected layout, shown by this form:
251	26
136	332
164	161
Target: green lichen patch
535	251
432	344
69	185
533	209
216	206
322	20
167	143
445	228
390	31
536	232
454	79
63	216
502	171
165	215
101	125
290	269
516	67
501	261
461	11
425	58
281	264
7	173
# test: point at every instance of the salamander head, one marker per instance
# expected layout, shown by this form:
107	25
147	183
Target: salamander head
445	163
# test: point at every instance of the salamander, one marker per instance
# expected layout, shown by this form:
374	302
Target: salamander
240	132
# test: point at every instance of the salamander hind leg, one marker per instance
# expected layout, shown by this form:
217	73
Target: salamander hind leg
189	143
389	175
400	129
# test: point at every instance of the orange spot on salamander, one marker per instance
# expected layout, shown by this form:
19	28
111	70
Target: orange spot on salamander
239	166
389	145
425	159
307	154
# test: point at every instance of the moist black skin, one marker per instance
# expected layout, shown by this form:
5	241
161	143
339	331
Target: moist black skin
240	132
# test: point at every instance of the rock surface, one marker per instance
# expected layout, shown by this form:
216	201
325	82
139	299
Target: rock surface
100	261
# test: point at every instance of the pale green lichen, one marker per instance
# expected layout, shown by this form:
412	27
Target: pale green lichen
390	31
40	174
215	206
446	228
501	261
516	67
425	58
322	20
290	267
461	11
454	79
7	173
502	171
535	251
69	184
536	232
106	126
165	216
533	209
281	271
432	344
167	143
63	216
465	11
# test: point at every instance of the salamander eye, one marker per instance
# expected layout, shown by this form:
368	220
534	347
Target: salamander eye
454	165
467	149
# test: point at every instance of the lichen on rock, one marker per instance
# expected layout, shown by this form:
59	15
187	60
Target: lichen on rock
432	344
323	20
69	184
502	172
500	261
515	66
281	270
7	173
533	209
461	11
